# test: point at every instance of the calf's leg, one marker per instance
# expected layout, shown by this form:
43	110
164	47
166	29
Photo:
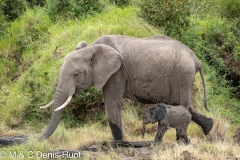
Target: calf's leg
162	128
182	134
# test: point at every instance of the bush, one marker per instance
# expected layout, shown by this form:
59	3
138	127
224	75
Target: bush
230	8
74	8
33	3
216	40
223	50
120	3
3	24
173	15
13	9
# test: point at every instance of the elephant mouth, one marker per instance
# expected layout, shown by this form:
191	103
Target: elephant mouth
75	93
77	90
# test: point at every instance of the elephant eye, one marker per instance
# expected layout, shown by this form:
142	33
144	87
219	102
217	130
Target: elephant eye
76	74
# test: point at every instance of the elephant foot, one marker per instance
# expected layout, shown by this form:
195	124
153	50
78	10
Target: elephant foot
204	122
184	140
208	125
116	132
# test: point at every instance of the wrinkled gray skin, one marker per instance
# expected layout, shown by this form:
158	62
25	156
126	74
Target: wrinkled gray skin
152	70
177	117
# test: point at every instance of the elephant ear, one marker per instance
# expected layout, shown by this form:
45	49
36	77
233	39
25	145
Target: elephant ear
81	44
105	62
160	113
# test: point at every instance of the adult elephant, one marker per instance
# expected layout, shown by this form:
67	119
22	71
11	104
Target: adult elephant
148	70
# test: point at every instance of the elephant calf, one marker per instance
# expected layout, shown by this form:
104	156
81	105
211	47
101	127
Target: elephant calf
168	116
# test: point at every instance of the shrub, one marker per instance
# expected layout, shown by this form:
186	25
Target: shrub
13	9
173	15
120	3
230	8
74	8
216	40
32	3
223	50
3	24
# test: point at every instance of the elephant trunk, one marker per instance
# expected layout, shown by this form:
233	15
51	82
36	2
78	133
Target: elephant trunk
56	115
143	130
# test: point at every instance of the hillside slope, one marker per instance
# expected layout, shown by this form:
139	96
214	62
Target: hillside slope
36	64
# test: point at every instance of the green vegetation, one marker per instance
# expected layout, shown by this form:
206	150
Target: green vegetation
35	39
120	3
75	8
160	14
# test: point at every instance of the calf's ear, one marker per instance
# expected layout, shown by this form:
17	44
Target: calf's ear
160	113
81	44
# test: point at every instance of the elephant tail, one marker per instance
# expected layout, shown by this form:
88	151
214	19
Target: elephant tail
204	88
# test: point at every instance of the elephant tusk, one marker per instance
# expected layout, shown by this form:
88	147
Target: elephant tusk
64	104
47	105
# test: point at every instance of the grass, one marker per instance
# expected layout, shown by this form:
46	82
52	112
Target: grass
218	145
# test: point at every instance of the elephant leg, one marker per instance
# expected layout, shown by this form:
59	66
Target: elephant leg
162	128
115	122
203	121
113	99
182	134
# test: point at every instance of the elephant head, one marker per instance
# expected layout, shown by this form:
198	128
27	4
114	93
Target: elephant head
152	115
81	68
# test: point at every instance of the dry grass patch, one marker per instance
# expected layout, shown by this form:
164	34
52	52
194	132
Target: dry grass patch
131	122
219	130
74	138
217	145
236	136
198	149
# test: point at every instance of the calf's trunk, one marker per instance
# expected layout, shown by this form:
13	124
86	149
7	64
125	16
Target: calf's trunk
143	130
